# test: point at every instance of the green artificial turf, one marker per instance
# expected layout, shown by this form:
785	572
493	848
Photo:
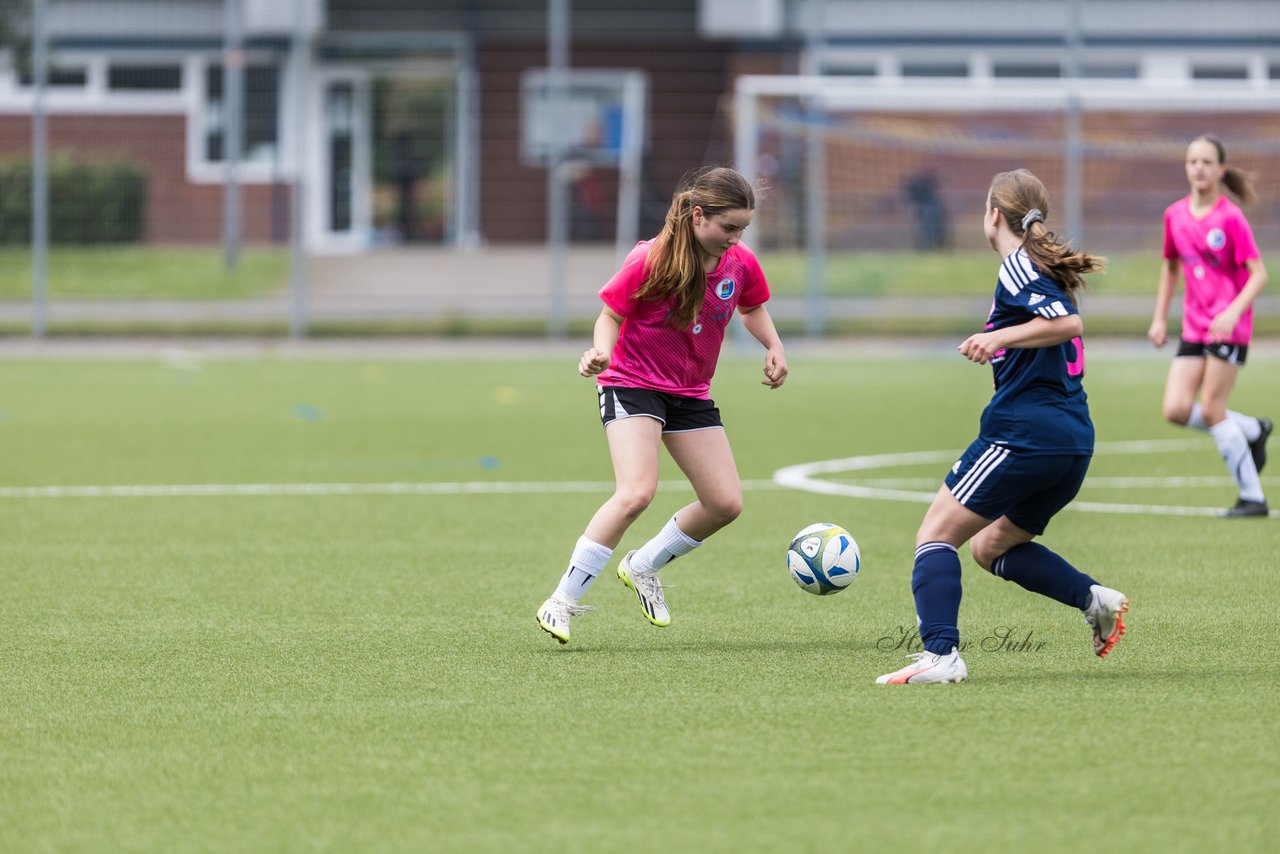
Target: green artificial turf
357	667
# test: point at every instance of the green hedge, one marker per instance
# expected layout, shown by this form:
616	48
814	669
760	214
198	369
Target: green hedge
89	201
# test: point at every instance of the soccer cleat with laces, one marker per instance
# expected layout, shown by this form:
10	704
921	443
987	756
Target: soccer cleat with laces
928	667
1258	447
1103	615
648	590
555	614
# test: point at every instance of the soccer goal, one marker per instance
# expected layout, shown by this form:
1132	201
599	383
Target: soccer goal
903	165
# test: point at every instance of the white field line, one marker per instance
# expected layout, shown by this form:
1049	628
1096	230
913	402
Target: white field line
803	477
218	490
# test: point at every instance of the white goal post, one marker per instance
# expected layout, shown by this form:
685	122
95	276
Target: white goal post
877	163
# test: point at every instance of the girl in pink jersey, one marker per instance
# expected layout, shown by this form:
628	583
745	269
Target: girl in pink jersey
654	352
1207	236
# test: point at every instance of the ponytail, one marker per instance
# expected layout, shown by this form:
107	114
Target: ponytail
1023	201
1239	182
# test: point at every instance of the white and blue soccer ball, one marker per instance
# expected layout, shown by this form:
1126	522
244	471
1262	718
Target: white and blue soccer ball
823	559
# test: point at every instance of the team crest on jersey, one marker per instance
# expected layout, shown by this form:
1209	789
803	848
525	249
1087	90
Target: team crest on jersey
1216	238
697	327
1035	299
725	289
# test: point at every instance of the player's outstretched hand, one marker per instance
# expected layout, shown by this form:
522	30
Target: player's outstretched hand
593	362
775	369
979	348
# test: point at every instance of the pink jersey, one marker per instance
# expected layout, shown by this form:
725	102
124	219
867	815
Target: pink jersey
1214	251
653	355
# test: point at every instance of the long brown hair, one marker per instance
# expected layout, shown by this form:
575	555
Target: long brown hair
1019	195
674	266
1239	182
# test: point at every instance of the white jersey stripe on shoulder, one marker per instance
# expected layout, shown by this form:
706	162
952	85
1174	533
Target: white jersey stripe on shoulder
1025	266
1061	309
1007	280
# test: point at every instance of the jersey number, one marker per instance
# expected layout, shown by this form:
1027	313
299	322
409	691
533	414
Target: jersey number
1075	368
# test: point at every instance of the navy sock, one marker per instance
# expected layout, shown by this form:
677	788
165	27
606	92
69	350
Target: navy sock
1042	571
935	583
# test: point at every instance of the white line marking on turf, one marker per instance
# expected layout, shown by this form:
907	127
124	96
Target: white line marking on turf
289	489
804	477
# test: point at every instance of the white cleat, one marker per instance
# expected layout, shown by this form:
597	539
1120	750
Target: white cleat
928	667
648	590
1104	616
555	614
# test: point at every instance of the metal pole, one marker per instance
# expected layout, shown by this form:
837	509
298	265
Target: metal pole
630	164
466	186
1073	172
557	190
232	133
298	251
39	172
815	192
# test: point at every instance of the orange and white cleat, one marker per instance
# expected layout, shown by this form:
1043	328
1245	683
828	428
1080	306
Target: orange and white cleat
928	667
1104	616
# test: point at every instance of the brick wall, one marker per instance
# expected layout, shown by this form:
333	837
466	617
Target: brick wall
177	211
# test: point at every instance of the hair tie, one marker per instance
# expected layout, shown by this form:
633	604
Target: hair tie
1033	216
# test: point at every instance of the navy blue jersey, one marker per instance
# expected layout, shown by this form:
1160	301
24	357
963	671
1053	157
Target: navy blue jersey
1039	406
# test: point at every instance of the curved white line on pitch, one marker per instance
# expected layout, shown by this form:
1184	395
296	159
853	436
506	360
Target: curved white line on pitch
803	477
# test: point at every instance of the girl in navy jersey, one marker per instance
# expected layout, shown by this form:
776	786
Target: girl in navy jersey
1207	237
1034	441
654	352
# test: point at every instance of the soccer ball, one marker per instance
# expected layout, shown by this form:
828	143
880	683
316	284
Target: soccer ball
823	559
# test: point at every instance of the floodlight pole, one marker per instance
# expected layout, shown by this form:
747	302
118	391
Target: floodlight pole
39	172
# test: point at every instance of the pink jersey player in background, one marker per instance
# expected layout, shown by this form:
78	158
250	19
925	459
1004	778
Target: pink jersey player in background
654	352
1208	238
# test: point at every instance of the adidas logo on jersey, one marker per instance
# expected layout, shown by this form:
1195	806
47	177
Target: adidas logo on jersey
1035	299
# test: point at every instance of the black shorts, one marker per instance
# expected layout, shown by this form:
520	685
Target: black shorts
1233	354
677	414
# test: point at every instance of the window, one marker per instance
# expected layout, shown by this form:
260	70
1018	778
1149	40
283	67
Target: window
1219	72
935	69
1115	71
57	75
261	114
144	78
1027	69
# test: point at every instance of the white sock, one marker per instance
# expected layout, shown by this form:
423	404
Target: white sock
1248	425
669	544
1235	453
589	560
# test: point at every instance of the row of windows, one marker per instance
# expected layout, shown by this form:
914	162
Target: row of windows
261	100
1098	71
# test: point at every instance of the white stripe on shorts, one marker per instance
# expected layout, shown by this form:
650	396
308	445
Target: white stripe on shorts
991	458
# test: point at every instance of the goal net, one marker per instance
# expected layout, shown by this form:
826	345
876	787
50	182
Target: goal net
865	163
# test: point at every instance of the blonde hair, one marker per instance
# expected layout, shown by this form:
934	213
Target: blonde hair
1239	182
673	267
1023	201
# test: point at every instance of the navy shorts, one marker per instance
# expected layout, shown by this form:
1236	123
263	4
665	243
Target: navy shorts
1232	354
677	414
994	481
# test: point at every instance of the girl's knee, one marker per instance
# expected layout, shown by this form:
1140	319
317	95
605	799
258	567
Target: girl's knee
633	502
